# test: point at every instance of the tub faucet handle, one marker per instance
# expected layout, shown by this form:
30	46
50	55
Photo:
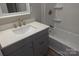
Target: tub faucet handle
52	27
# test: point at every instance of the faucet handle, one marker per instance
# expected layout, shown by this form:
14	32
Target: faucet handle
15	26
24	23
19	22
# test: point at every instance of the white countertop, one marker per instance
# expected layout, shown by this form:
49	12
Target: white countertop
7	37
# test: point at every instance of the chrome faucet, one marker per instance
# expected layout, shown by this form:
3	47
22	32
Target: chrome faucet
20	23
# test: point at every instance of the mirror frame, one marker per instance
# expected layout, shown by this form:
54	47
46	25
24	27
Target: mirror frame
17	13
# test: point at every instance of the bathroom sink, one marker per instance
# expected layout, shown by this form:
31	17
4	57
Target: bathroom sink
24	29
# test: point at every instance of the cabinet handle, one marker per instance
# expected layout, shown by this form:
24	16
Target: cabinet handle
41	43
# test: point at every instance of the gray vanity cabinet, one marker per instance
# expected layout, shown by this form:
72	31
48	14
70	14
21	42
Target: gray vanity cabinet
20	48
40	43
36	45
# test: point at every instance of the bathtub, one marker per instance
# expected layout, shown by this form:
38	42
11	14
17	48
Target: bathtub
67	38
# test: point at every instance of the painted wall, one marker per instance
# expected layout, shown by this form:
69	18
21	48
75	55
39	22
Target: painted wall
4	8
70	17
36	11
45	17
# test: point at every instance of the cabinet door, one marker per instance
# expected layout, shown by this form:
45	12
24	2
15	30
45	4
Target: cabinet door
43	46
40	43
23	47
26	50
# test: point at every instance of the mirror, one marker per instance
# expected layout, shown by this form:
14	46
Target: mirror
9	9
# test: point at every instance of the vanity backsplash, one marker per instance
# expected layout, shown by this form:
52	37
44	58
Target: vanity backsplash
10	25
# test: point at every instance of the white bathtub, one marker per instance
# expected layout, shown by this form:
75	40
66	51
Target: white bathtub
68	38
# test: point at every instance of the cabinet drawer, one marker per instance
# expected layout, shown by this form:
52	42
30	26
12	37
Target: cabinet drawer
41	34
40	42
9	49
43	41
41	45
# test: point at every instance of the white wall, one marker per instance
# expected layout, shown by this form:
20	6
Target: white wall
36	11
70	17
3	8
45	17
